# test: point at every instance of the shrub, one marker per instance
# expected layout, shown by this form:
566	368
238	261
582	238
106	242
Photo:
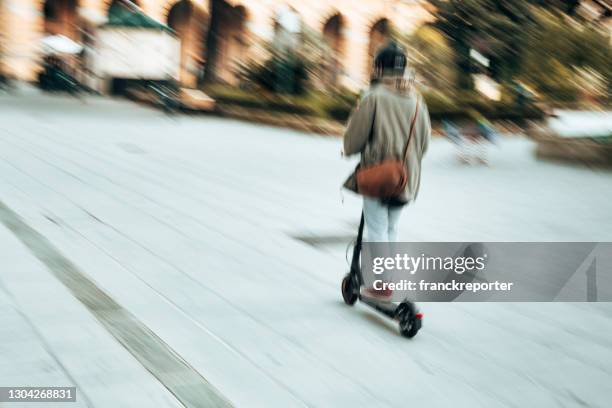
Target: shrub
340	105
259	100
280	74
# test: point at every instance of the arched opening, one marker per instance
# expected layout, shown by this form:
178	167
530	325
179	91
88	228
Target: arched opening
189	23
61	18
226	44
333	34
380	33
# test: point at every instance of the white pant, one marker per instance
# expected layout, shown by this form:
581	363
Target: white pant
381	220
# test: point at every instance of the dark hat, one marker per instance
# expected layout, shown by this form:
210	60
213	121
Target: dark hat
391	60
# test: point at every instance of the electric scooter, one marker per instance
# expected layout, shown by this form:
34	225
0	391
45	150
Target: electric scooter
405	312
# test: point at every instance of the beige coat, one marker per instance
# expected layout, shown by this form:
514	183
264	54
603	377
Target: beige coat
394	112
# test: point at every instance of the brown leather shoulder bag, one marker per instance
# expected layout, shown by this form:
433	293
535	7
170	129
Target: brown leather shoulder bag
388	178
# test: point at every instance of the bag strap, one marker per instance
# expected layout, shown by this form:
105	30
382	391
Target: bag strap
416	112
371	135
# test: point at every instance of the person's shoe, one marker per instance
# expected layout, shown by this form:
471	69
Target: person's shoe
384	295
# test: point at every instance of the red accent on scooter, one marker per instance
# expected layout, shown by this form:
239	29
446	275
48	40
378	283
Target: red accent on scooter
419	315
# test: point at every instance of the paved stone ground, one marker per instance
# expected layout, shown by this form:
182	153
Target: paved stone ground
188	226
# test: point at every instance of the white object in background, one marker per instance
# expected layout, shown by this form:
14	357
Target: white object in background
60	44
487	87
289	20
479	57
137	53
92	15
567	123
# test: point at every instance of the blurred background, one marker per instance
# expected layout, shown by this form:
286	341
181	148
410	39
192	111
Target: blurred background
172	231
313	58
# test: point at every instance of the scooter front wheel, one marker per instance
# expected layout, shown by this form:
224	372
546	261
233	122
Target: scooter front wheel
349	293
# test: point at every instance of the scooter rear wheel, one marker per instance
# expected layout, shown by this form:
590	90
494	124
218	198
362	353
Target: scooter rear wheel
348	291
409	324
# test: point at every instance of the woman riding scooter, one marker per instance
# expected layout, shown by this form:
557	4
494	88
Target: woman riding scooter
390	124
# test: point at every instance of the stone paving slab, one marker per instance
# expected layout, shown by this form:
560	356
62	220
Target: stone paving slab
190	224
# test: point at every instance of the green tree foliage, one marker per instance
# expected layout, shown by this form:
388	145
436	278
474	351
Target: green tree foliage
568	7
495	28
541	42
433	58
566	58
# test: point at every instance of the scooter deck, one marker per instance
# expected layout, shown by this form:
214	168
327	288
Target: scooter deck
387	308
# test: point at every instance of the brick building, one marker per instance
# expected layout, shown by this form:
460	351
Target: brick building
353	29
